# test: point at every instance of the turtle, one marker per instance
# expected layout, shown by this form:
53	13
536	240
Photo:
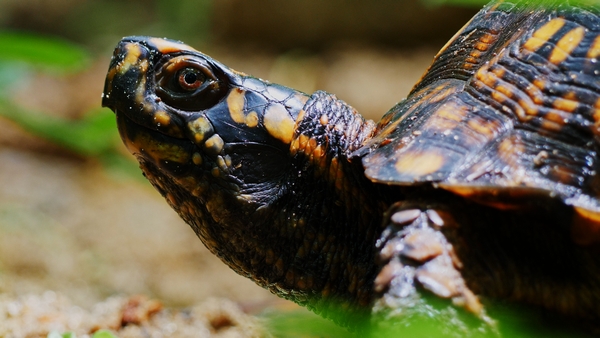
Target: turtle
482	184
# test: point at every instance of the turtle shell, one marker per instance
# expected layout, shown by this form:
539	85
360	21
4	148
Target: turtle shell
508	114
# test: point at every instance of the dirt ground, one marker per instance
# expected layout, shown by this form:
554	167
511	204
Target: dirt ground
78	242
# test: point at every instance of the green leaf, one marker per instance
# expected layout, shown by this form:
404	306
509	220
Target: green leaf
44	52
104	334
94	134
55	334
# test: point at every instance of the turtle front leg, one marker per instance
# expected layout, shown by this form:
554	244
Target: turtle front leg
418	262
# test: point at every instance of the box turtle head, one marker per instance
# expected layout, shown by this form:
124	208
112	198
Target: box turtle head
252	167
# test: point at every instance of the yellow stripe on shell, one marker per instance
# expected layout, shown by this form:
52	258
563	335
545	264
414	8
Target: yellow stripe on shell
596	114
566	45
543	34
565	104
419	164
594	50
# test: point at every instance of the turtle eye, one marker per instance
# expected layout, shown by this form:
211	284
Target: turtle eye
190	83
190	79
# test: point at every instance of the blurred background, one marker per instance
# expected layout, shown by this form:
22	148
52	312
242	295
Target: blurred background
76	215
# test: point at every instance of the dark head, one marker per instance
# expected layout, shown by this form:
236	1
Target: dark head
259	171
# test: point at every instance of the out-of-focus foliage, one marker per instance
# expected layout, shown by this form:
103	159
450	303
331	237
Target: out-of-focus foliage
480	3
44	52
512	321
94	135
97	334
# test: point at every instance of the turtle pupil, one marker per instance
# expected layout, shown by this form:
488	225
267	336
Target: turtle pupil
190	78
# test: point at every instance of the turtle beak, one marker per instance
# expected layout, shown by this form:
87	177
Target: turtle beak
128	67
130	88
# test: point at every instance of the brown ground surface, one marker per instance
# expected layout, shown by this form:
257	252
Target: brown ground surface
69	226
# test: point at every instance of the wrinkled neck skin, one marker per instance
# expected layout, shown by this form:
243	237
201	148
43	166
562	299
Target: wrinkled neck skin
312	239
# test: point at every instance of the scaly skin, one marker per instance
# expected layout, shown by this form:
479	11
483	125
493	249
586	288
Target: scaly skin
287	209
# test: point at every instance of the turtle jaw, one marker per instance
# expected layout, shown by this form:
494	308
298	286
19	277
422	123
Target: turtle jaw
130	87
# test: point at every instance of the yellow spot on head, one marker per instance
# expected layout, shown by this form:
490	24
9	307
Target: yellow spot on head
419	164
543	34
566	45
214	144
279	123
162	117
134	51
199	128
197	159
251	119
166	46
235	103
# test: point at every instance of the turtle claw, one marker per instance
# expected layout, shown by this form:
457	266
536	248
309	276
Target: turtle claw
415	256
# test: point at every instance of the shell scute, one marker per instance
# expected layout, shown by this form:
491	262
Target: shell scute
520	118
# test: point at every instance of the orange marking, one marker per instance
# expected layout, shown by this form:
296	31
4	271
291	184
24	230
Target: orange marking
570	96
566	45
541	84
235	103
419	164
312	144
450	113
565	105
585	229
324	120
505	89
499	72
475	54
551	125
162	117
165	46
134	51
251	119
596	115
530	108
482	128
485	76
536	95
594	50
318	152
499	97
279	123
488	38
300	116
302	142
481	46
543	34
